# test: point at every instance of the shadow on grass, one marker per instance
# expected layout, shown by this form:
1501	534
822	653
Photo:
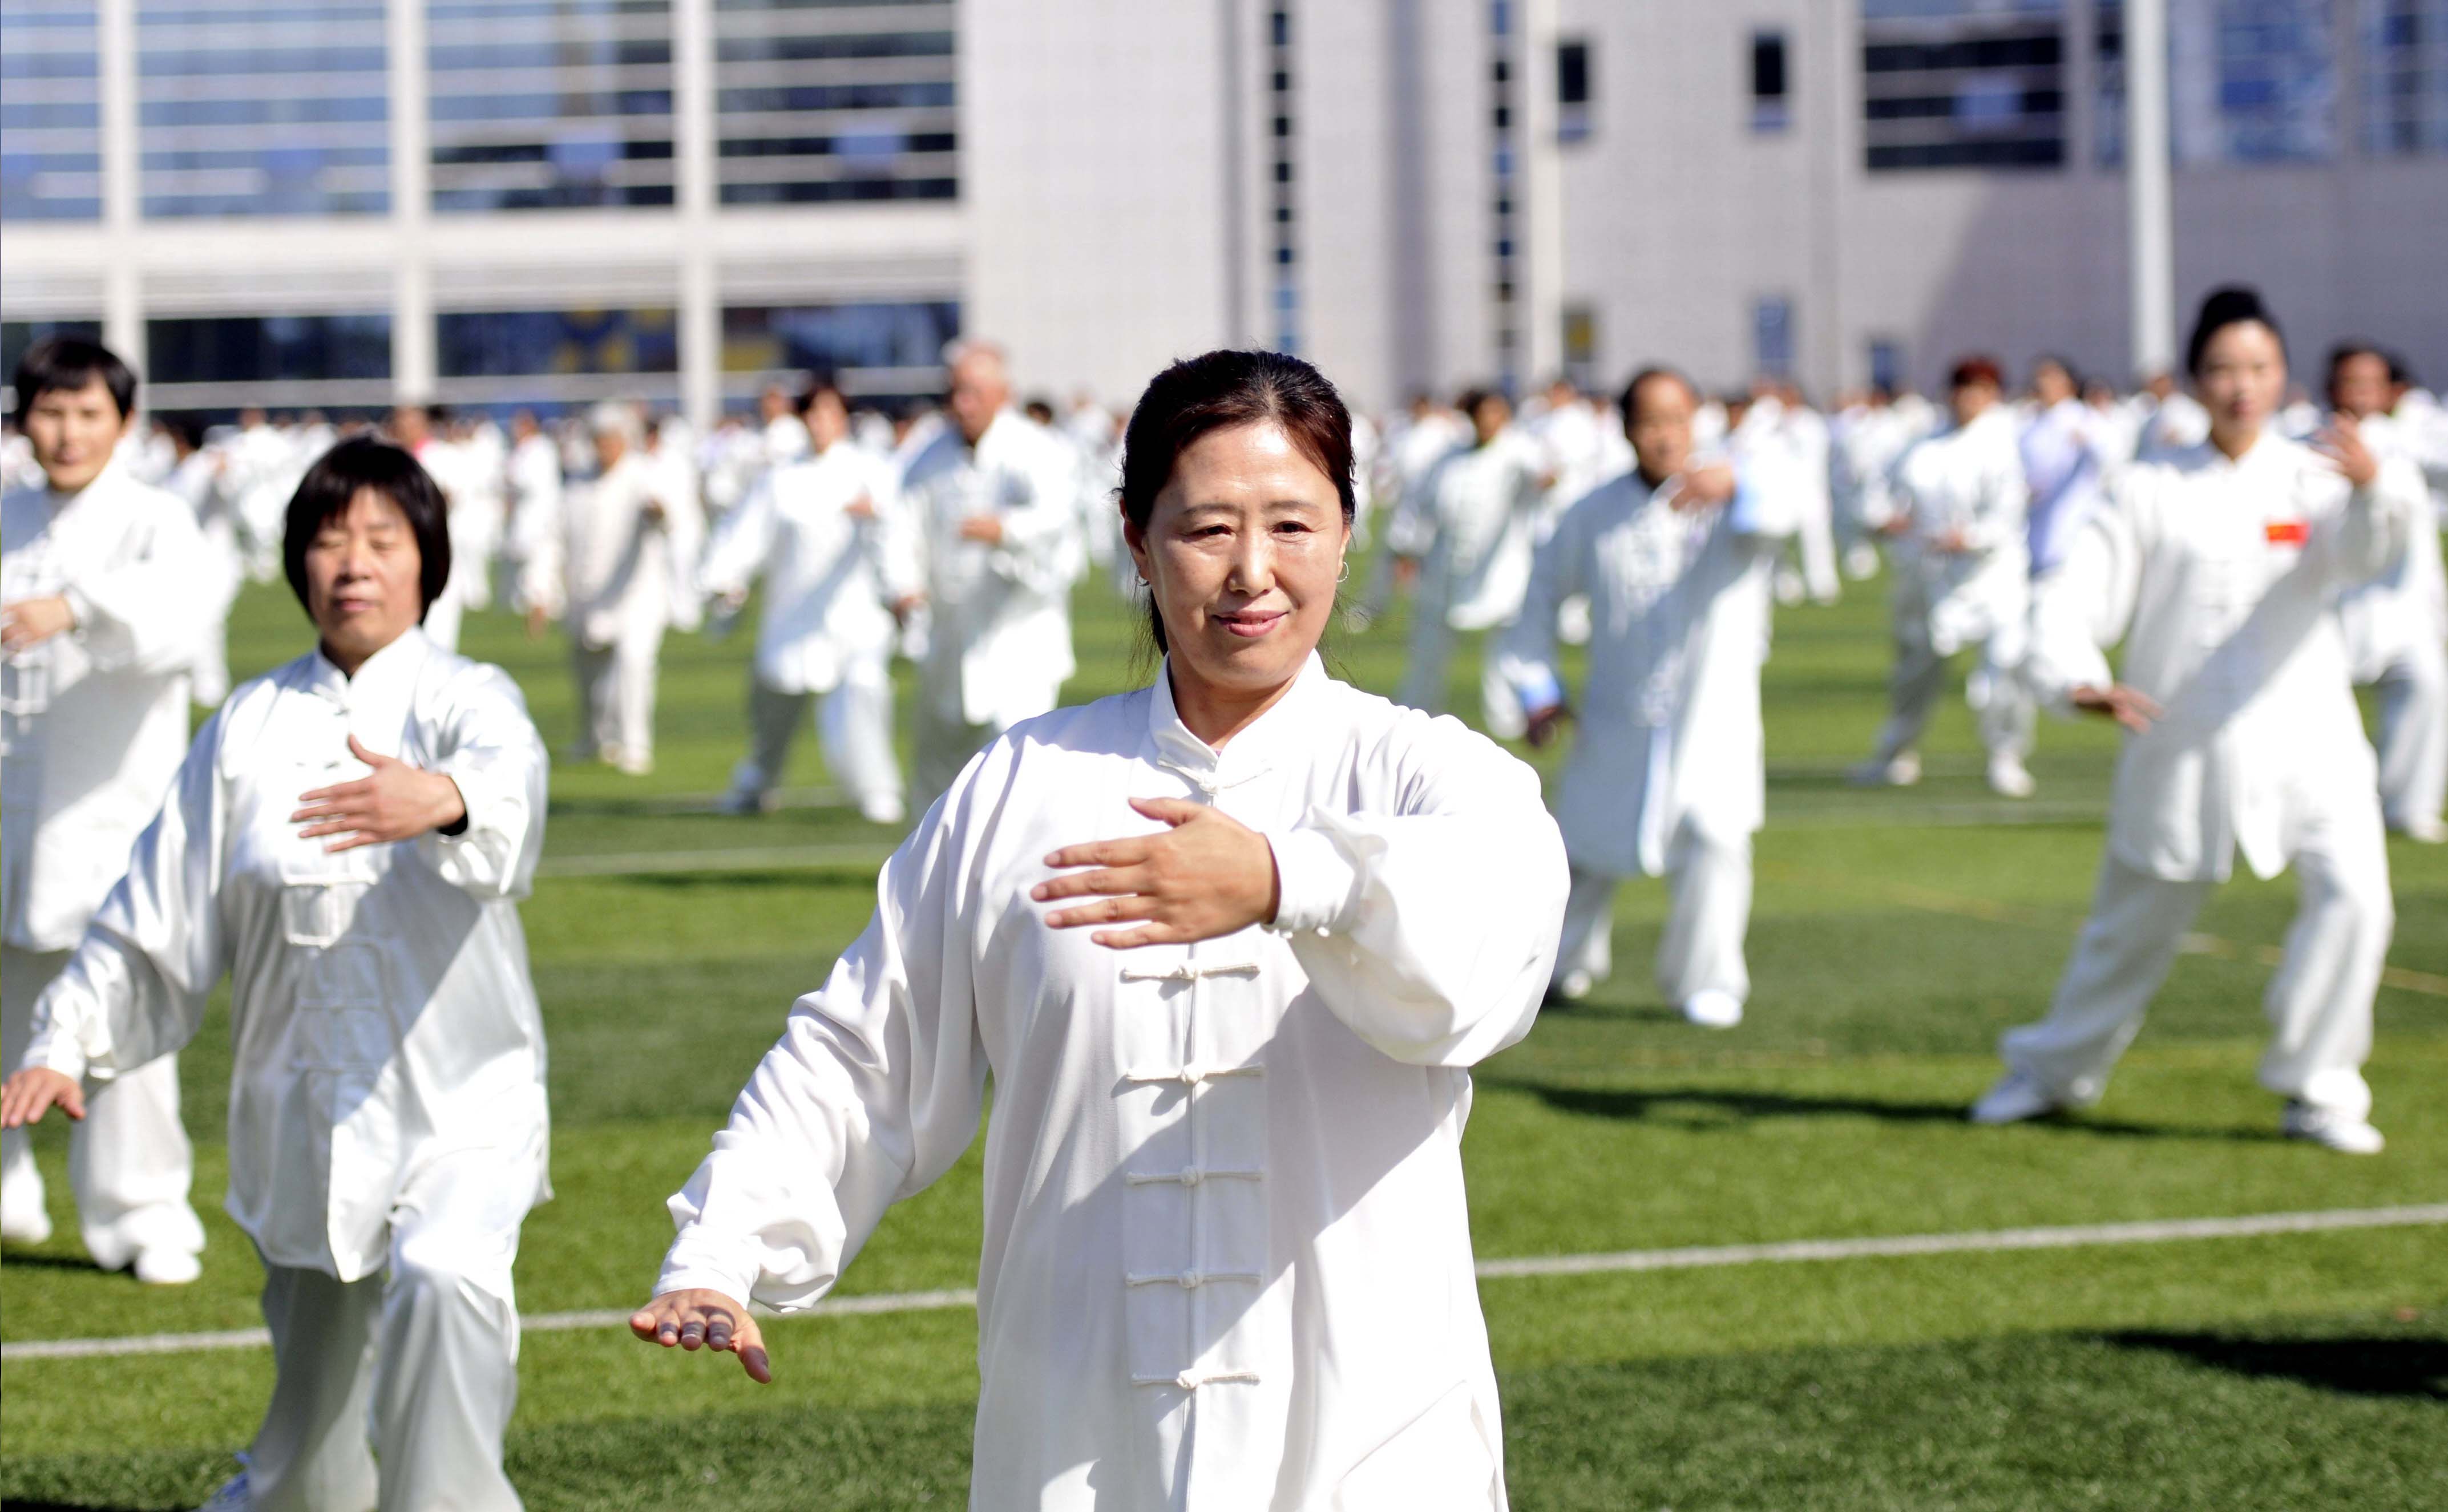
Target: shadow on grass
2363	1366
1704	1107
48	1262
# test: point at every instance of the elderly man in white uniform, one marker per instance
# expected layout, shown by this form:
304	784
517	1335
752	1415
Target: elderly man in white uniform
993	508
1668	773
2220	568
108	596
2396	625
1229	947
1466	534
826	537
348	841
1962	579
620	572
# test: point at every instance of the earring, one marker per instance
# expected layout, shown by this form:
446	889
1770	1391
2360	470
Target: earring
1345	576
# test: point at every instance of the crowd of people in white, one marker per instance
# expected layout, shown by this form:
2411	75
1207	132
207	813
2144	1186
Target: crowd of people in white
2257	557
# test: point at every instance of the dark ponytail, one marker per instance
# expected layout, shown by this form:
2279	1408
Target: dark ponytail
2232	305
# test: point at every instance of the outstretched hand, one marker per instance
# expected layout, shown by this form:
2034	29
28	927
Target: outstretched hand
2343	443
1544	725
35	1091
700	1319
396	802
2130	707
1205	876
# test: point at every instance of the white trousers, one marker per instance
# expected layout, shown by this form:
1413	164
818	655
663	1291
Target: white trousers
129	1163
616	694
2319	1002
1707	912
2001	704
424	1353
1815	544
1424	674
853	721
2414	737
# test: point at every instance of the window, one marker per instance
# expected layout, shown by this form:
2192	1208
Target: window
263	108
1772	336
1501	198
523	342
18	336
1887	366
1580	336
814	103
1769	111
549	103
2248	81
2405	77
1285	291
874	351
1572	90
268	349
51	112
1950	84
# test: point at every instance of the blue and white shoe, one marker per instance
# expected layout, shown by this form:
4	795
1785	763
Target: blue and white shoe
232	1497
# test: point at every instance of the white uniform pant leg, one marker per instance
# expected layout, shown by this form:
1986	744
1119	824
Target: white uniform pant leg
2001	701
2319	1000
1919	677
2414	737
856	725
636	662
1817	539
1431	660
130	1165
1707	912
2127	944
1588	944
445	1372
1499	706
773	719
311	1455
590	671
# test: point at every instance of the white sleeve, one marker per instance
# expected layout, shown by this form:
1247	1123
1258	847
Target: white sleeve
2360	542
148	615
873	1091
2005	504
1430	930
1525	653
741	543
2087	604
136	987
497	759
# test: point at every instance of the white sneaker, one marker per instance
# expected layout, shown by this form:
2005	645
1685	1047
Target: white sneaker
166	1266
2330	1130
633	766
1860	561
2009	778
2015	1098
1712	1009
2424	832
1899	770
34	1226
1574	986
888	810
232	1497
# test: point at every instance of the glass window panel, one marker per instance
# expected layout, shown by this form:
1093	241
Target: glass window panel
1963	83
551	104
51	112
2405	77
835	337
263	108
1772	336
2248	81
17	336
818	102
255	348
525	343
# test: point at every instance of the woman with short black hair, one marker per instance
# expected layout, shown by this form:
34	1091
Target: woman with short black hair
348	841
2219	565
1229	945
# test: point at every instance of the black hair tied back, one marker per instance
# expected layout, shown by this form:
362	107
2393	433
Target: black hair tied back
2232	305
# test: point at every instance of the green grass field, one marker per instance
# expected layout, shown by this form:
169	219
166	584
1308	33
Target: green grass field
1895	935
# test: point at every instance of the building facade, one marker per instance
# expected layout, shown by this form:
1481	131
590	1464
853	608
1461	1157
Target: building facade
489	201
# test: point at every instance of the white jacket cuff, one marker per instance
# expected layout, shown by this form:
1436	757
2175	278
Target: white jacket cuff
1317	885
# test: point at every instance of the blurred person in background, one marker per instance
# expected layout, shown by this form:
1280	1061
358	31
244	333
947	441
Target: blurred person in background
1424	434
2396	625
826	537
1865	440
1228	947
2220	568
994	509
347	840
618	573
105	601
1803	433
1668	773
421	431
2166	419
196	478
531	480
1962	579
1465	536
2067	455
784	435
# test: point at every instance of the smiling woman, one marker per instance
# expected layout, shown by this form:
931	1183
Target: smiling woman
1227	1257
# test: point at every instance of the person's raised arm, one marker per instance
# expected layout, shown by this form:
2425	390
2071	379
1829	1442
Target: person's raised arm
1526	652
136	987
494	755
2359	542
2086	605
873	1091
742	543
147	614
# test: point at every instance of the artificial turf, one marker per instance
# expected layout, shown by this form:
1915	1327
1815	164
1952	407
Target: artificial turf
1895	935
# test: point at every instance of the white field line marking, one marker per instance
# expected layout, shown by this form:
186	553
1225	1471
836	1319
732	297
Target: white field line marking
1899	1246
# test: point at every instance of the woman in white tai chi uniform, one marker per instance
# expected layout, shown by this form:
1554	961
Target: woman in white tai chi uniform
2219	566
1229	945
347	840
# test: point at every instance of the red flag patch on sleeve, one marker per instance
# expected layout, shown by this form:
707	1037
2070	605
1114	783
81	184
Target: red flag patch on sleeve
2288	532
